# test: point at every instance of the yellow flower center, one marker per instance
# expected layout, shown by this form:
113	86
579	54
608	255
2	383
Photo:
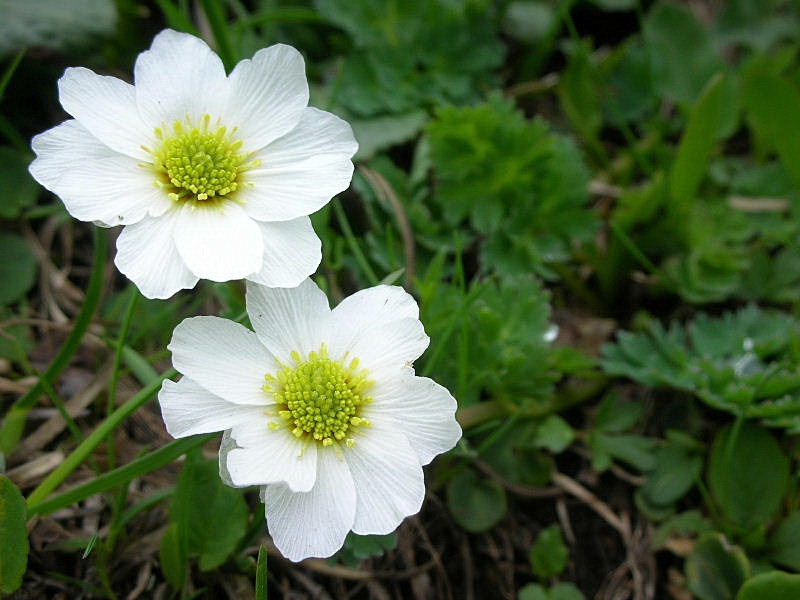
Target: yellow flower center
319	399
199	163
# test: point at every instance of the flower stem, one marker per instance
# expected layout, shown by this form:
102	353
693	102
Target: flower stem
353	243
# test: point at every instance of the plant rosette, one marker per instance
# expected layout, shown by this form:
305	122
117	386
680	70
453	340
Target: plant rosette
320	408
212	176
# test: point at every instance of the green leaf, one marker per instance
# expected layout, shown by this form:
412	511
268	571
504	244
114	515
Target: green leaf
262	574
477	503
17	269
775	585
380	133
555	434
172	556
681	52
716	569
565	591
773	106
202	493
783	548
635	450
533	591
694	151
677	469
549	554
17	188
13	537
748	475
691	522
529	21
54	24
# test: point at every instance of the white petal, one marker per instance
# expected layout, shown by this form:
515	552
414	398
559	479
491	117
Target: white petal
106	106
288	319
292	252
116	190
420	408
313	523
388	349
61	148
178	77
265	456
146	254
188	409
220	243
224	357
226	444
389	481
303	170
267	95
366	309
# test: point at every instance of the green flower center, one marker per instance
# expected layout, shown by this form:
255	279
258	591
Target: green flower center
199	163
320	399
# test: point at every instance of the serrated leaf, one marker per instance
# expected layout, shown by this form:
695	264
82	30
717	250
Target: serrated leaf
13	537
555	434
549	554
477	503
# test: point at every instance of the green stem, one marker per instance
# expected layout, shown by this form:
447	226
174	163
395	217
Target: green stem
10	70
261	574
111	400
14	421
353	243
86	447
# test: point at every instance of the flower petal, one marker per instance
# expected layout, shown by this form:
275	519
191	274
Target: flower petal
218	242
366	309
188	409
388	477
292	252
303	170
288	319
61	148
313	523
179	76
266	456
267	95
106	106
116	190
420	408
146	254
224	357
388	349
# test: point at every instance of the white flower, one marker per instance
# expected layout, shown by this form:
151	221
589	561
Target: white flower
320	407
213	176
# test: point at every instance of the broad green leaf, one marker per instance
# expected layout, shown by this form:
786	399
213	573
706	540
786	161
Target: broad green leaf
359	547
533	591
172	556
773	106
549	554
784	545
676	472
565	591
13	537
554	434
17	188
775	585
477	503
694	152
682	55
201	495
748	475
633	449
17	268
715	570
380	133
691	522
54	24
578	90
529	21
